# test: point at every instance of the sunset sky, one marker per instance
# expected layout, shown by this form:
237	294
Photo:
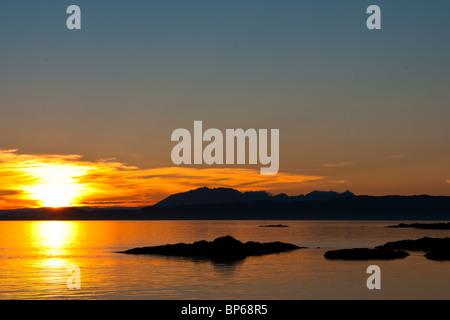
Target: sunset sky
86	116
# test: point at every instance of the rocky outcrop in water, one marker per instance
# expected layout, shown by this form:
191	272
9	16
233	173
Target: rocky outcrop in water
432	226
222	249
274	226
436	248
422	244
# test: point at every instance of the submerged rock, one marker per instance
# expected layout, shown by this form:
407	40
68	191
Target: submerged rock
223	249
365	254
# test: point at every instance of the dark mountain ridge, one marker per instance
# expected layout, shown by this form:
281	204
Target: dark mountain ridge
230	204
227	195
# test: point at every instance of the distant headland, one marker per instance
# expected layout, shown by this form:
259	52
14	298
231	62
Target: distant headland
231	204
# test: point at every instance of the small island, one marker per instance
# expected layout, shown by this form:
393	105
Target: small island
435	248
422	244
432	226
223	249
274	226
365	254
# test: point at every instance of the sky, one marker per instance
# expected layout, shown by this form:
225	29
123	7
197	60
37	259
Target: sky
357	109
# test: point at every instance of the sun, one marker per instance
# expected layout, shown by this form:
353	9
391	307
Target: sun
55	195
56	185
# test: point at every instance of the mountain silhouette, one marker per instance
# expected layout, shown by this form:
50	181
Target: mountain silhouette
227	195
230	204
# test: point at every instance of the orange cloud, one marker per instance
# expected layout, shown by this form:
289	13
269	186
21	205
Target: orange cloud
29	180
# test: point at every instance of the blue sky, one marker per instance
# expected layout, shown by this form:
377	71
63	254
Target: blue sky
138	70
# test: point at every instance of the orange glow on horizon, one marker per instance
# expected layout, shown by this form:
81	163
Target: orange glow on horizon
28	180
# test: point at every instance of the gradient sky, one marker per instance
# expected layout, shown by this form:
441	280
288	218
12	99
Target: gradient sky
364	110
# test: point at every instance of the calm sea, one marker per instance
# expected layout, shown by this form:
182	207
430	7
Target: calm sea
35	255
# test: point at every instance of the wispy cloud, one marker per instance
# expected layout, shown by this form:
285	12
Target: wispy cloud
337	181
394	156
338	164
29	180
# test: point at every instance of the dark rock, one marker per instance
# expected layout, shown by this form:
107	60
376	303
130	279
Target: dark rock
401	225
432	226
422	244
274	226
222	249
436	248
365	254
438	254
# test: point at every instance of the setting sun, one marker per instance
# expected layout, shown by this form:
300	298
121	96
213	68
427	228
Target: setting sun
56	185
53	180
55	195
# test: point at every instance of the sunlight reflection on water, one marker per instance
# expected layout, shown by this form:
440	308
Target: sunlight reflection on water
35	255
